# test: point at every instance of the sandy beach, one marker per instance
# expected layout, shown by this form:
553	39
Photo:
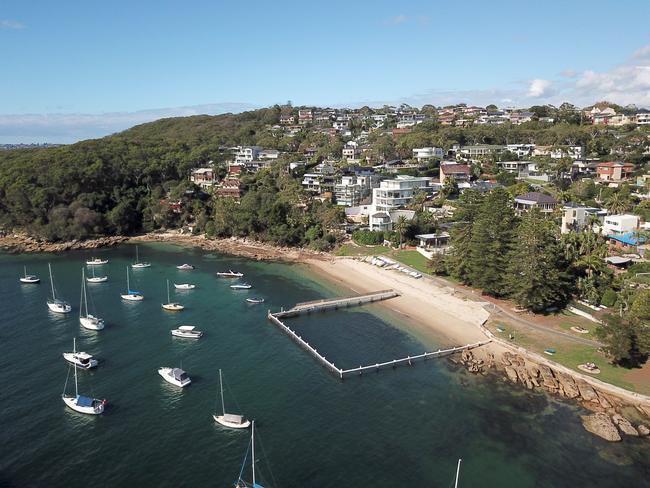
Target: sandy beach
429	309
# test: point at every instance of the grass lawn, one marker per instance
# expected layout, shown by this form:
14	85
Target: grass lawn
411	258
358	250
569	354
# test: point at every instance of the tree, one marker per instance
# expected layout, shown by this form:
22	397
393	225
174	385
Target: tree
493	234
617	203
469	205
401	226
537	279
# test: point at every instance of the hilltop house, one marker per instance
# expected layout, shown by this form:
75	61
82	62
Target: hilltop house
459	172
613	171
528	201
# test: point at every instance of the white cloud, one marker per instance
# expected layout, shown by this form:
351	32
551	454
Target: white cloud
11	24
68	128
397	19
539	88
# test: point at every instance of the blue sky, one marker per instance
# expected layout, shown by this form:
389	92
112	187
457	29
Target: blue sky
116	58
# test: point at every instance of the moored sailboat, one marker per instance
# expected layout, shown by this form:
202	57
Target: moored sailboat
86	319
171	306
80	403
228	419
240	483
131	295
96	279
55	304
29	279
138	264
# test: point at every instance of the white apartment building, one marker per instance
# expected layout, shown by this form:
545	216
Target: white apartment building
424	153
399	192
620	224
576	218
350	190
246	154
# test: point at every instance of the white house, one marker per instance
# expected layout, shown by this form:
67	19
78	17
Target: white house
620	224
351	151
424	153
577	217
399	192
246	154
524	169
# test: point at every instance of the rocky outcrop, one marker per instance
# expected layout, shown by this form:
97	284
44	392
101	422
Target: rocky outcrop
643	430
512	374
601	425
22	243
624	425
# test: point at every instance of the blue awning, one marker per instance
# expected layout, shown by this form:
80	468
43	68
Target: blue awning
133	292
83	401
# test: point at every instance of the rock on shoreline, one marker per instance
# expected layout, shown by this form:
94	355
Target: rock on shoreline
608	420
23	243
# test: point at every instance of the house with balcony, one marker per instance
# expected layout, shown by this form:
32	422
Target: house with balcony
614	171
246	154
203	177
528	201
305	116
459	172
578	217
351	151
426	153
399	192
524	170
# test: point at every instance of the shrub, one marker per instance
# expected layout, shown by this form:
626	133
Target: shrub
609	298
368	237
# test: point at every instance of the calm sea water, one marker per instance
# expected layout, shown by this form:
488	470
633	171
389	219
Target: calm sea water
405	427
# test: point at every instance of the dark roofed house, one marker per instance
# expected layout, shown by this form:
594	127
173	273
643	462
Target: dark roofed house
545	203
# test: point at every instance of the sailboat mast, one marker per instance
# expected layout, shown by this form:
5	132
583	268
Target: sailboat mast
83	281
137	259
457	474
168	300
128	287
252	447
49	266
223	408
25	267
81	299
76	387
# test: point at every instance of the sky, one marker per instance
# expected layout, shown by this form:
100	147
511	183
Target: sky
78	69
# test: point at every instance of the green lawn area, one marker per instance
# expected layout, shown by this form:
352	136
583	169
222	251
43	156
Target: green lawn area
411	258
569	354
354	250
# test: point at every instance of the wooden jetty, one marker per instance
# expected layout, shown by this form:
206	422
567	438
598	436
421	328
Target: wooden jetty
335	303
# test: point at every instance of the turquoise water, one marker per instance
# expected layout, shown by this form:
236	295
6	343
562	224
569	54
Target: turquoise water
405	427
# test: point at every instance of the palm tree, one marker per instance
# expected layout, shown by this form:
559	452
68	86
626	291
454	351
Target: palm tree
401	227
617	203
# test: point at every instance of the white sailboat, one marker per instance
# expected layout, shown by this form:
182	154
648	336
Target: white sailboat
137	263
251	446
81	359
96	279
228	419
87	320
80	403
55	304
184	286
171	306
29	279
131	295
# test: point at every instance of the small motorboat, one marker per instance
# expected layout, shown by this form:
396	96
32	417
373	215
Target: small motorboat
175	376
255	300
187	331
29	279
184	286
82	359
96	262
185	267
230	274
241	286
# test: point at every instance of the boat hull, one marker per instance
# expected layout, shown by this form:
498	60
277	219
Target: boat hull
71	402
186	335
72	359
184	286
221	420
98	279
59	307
97	263
91	323
132	298
30	281
172	307
141	265
164	372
